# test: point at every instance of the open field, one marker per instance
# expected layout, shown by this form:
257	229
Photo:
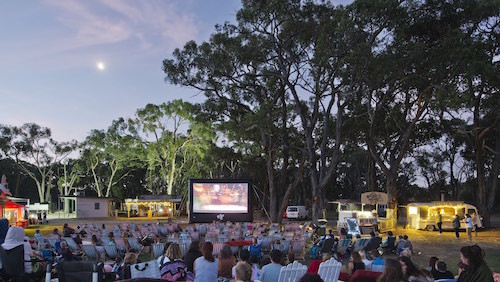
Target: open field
426	244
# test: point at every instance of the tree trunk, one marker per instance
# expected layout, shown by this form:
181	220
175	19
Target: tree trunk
371	174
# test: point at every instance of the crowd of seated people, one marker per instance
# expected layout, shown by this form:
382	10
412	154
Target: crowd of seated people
212	258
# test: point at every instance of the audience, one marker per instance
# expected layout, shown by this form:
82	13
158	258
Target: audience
355	263
392	272
174	269
271	272
15	238
440	271
206	266
192	254
373	244
226	263
410	271
201	265
243	272
311	277
4	227
474	268
255	248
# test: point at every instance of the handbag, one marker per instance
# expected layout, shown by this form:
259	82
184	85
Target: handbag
148	269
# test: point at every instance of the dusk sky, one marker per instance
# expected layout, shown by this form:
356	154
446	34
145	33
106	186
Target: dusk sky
74	66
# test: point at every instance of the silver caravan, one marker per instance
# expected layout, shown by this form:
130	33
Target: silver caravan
425	215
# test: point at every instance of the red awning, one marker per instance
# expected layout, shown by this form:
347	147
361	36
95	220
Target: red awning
13	205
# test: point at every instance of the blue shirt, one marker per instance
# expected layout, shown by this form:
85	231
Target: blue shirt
270	272
205	271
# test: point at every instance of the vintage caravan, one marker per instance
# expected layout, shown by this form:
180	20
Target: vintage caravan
425	215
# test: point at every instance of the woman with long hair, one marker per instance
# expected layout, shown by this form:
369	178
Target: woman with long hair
411	272
206	266
174	269
192	253
392	272
474	268
355	263
226	263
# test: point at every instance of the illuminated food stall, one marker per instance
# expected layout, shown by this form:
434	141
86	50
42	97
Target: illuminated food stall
152	205
14	212
425	215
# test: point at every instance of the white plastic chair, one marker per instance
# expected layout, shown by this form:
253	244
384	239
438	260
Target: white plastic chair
292	272
330	270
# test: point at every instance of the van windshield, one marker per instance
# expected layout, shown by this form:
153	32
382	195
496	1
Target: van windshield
292	209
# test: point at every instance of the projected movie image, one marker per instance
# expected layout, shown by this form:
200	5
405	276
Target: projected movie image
220	197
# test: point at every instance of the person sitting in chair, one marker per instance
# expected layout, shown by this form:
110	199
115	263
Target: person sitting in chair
15	254
389	243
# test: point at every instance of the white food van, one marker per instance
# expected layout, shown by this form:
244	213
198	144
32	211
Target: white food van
425	215
371	213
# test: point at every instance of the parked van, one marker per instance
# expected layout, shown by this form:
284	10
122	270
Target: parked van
297	212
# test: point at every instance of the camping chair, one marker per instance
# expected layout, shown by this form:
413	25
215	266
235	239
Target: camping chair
330	270
292	272
79	271
390	247
327	247
90	252
13	264
111	251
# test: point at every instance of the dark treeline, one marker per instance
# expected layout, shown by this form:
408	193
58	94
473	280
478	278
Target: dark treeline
309	100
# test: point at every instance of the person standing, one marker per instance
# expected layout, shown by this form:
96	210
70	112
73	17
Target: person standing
456	225
440	222
468	226
476	220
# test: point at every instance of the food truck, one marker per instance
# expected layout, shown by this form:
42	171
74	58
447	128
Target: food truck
370	214
425	215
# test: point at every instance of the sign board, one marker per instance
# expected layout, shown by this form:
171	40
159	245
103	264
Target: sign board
38	207
373	198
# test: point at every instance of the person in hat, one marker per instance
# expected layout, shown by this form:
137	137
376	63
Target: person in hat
14	238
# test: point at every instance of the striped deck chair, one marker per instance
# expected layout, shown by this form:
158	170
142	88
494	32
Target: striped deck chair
217	248
360	244
157	249
120	244
72	244
135	245
298	247
265	244
90	252
184	244
111	251
340	251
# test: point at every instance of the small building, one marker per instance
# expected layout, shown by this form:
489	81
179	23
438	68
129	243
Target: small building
153	205
88	207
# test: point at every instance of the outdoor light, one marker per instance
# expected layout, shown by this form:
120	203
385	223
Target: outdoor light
412	210
170	209
160	210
